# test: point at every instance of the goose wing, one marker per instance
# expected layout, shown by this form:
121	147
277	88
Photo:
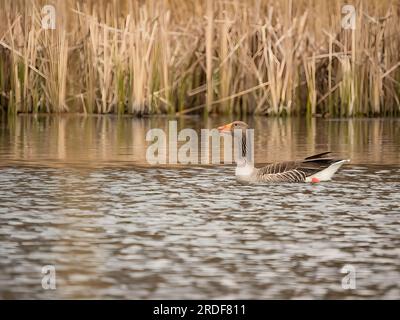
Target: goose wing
294	171
281	172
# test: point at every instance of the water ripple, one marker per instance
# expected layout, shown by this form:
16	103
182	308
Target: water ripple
197	233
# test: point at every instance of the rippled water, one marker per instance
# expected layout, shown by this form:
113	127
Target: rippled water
118	228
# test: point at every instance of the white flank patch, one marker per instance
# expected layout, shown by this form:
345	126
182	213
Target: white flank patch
327	173
245	170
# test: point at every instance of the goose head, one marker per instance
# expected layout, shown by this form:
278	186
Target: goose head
231	127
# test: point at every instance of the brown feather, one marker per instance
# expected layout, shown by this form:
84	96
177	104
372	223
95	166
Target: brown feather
294	171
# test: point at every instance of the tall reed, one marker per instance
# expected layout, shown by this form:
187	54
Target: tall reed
253	56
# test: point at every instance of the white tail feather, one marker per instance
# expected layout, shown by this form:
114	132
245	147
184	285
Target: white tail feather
327	173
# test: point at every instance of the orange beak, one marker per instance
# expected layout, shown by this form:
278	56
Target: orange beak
225	128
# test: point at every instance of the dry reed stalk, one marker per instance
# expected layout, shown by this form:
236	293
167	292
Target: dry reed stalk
310	71
209	53
149	57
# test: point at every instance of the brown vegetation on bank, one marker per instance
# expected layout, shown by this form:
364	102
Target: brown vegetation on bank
225	56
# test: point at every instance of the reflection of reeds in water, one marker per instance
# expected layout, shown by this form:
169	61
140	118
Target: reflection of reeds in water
264	57
96	140
361	140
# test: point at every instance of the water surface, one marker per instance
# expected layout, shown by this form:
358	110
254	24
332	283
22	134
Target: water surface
76	192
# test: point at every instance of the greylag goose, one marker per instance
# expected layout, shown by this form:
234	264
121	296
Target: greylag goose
316	168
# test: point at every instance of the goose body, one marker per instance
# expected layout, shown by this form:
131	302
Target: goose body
316	168
311	169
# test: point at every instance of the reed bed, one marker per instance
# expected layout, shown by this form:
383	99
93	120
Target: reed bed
179	57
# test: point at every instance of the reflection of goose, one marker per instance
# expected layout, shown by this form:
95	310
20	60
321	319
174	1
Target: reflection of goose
315	168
